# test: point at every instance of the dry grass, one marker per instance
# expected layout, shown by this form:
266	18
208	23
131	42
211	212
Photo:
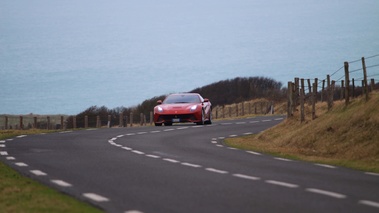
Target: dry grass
345	136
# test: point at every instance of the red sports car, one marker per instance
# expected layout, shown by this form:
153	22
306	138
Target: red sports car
183	107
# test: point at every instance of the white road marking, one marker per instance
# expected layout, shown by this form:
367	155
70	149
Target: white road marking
254	153
170	160
155	131
266	120
226	123
197	126
141	133
153	156
21	164
327	193
217	171
213	141
118	145
126	148
232	148
120	136
371	173
95	197
2	141
61	183
2	145
219	145
248	177
369	203
326	166
248	133
182	128
221	138
11	158
91	129
130	134
278	119
133	211
232	136
252	122
21	136
283	159
38	172
191	165
9	139
3	153
138	152
167	130
241	123
65	132
280	183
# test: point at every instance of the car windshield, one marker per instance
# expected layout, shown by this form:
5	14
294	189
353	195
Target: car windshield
176	99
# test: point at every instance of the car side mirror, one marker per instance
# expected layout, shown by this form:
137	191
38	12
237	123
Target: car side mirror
159	102
206	100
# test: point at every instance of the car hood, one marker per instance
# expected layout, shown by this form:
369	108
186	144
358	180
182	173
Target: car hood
177	106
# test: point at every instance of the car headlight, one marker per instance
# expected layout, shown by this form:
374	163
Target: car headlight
160	109
193	108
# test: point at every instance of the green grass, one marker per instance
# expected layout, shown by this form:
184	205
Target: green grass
21	194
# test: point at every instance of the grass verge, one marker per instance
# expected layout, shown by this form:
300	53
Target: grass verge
21	194
345	136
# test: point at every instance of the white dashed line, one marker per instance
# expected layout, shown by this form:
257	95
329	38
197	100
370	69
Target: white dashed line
61	183
91	129
241	123
21	136
214	142
326	166
38	172
283	159
369	203
2	145
180	128
232	148
327	193
3	153
254	153
167	130
191	165
246	177
21	164
232	136
126	148
153	156
280	183
216	171
155	132
371	173
130	134
141	133
2	141
266	120
221	138
11	158
138	152
248	133
119	136
278	119
219	145
133	211
64	132
95	197
253	122
226	123
170	160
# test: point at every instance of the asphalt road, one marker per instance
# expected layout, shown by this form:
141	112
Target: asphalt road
186	168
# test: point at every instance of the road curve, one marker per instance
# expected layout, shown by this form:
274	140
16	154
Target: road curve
186	168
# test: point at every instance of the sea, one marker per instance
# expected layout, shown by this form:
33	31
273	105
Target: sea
62	57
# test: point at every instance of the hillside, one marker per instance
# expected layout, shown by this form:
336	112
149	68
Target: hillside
344	136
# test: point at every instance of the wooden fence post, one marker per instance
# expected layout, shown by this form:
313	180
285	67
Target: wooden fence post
74	122
342	89
121	120
315	89
290	99
131	119
86	121
353	86
314	100
151	117
62	122
243	108
365	85
372	84
323	90
347	80
21	123
35	122
48	122
329	92
302	115
98	122
6	122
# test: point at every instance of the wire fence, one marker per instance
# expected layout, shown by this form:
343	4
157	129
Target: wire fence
354	78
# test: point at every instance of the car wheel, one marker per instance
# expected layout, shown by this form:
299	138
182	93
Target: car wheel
158	124
209	121
202	118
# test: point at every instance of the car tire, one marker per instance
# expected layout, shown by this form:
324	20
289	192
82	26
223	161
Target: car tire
209	121
202	118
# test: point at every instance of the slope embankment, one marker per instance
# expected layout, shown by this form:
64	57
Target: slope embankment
344	136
